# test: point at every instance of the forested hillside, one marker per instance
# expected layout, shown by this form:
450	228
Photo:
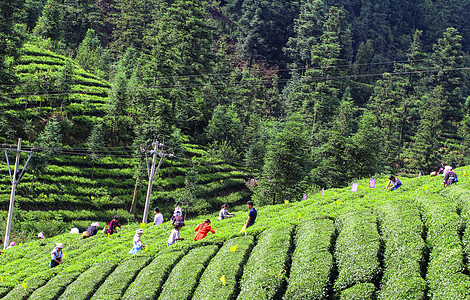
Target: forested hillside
300	95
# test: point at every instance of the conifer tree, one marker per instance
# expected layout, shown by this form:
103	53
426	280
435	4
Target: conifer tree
334	159
322	94
308	28
286	166
428	140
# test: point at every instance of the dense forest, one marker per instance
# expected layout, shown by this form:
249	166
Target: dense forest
300	92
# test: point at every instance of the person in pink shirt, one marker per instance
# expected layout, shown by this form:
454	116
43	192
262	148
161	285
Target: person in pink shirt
202	230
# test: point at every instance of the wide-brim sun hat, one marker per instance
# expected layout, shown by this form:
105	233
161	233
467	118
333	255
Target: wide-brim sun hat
139	231
96	224
59	245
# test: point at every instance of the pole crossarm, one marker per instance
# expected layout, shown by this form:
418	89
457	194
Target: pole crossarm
152	171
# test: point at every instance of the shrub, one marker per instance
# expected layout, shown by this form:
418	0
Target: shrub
264	273
187	271
149	282
445	277
54	287
312	263
357	249
225	263
402	231
360	291
122	276
87	283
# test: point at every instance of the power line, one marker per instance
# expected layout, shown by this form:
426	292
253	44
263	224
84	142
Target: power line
182	86
430	59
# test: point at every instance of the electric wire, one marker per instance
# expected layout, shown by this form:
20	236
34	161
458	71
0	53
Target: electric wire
183	86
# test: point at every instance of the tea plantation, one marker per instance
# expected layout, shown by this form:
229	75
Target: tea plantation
76	188
412	243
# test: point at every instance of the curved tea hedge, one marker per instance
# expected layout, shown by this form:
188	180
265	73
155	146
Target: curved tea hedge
373	244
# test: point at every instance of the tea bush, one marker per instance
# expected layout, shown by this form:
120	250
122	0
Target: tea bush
312	262
226	263
148	284
357	249
187	271
265	271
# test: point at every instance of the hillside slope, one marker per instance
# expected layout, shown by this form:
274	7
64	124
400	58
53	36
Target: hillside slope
408	244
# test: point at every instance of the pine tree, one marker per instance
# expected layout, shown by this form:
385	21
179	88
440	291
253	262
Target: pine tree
367	147
49	142
11	39
286	166
322	94
428	140
387	106
118	102
447	58
308	28
335	158
225	126
92	57
95	142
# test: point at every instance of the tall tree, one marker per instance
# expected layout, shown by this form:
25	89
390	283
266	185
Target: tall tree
447	58
92	57
387	106
308	28
428	140
131	20
335	158
286	166
11	38
181	59
265	29
322	92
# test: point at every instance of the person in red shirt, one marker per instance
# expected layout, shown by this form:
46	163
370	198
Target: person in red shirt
202	230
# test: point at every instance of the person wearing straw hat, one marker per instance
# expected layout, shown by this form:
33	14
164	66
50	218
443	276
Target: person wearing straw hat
137	242
56	255
91	230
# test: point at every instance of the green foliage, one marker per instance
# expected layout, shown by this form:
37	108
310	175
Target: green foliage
188	270
445	270
405	248
264	273
118	281
357	249
226	263
286	165
360	291
312	262
149	282
88	282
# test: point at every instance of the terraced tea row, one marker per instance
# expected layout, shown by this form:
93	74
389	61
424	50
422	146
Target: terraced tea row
349	246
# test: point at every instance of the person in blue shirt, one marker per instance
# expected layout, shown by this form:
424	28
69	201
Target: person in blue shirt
137	244
56	255
393	183
252	214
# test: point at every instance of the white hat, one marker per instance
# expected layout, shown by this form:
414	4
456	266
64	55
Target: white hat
178	209
41	235
96	224
59	245
139	231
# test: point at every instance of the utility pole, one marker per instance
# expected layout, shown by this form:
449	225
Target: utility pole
152	171
15	178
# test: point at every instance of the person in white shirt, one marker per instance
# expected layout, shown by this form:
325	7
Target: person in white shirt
174	235
224	214
158	219
74	230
